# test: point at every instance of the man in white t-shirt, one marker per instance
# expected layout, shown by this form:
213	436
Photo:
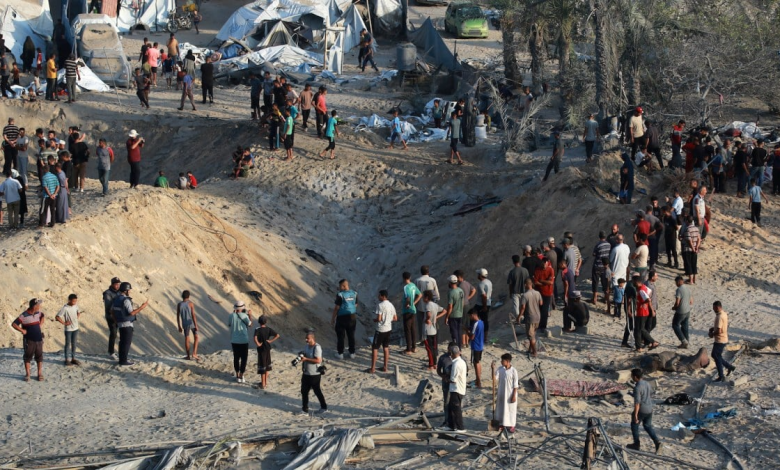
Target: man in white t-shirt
589	135
424	283
618	259
385	316
69	316
457	390
636	131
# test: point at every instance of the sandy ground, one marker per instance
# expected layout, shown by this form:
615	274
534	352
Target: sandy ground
372	213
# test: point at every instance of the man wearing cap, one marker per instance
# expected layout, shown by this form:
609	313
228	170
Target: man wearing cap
457	390
30	325
453	313
125	315
69	316
484	294
589	135
598	273
134	145
636	131
557	156
108	301
516	281
576	314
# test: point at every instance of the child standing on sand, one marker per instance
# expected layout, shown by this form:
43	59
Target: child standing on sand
264	336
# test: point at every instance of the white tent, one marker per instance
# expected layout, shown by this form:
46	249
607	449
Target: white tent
25	18
152	14
387	15
241	22
280	56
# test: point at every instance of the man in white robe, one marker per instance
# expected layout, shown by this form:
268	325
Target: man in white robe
506	397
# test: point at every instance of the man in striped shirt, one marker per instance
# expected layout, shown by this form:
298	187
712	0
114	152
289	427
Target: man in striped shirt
10	135
690	240
71	76
600	251
30	325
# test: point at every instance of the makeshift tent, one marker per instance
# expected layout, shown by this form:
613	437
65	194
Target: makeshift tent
242	22
353	24
149	14
277	36
431	47
388	16
17	25
283	57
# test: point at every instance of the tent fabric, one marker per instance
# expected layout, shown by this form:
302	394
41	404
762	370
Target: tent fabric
151	13
88	81
241	22
431	47
15	28
35	12
325	449
282	56
277	36
388	16
579	388
353	24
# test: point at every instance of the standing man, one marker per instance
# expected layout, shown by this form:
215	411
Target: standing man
457	390
141	84
454	133
268	91
108	302
516	281
589	135
506	398
321	109
598	273
72	75
10	136
444	370
412	296
51	189
152	58
207	81
105	156
636	131
683	306
530	309
22	159
385	316
757	161
619	260
186	92
125	315
544	278
80	160
255	85
676	140
691	240
306	98
134	145
51	79
344	318
720	334
311	378
186	321
425	283
644	310
12	191
30	325
477	344
654	143
484	301
288	133
454	311
69	316
173	48
643	412
567	279
670	236
557	156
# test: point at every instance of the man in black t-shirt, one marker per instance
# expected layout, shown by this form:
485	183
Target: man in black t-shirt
80	158
741	169
757	162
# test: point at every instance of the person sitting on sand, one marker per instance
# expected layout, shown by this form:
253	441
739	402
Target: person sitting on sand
186	321
192	183
161	181
182	182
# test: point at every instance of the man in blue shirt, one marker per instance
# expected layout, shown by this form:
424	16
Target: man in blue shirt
186	92
477	343
395	130
412	295
51	188
331	131
345	318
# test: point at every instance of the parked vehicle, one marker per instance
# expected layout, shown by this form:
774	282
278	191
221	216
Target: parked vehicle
177	21
466	20
100	48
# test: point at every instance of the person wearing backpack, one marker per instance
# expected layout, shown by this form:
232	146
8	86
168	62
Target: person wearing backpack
264	336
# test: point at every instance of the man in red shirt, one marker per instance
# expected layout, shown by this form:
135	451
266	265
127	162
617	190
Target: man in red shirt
676	138
134	145
544	279
644	310
642	226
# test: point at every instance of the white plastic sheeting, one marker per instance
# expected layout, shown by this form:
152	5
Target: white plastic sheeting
241	22
388	15
283	57
325	449
151	13
90	18
16	26
88	81
748	129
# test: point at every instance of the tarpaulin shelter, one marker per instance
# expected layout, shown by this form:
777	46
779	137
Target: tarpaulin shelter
147	14
277	36
431	46
242	22
22	18
387	16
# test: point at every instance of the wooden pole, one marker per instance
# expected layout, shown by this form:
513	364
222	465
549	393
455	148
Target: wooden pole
370	26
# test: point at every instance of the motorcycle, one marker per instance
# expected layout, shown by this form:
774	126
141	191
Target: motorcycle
177	22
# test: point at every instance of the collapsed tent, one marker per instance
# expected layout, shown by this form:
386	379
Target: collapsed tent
431	46
277	36
324	449
242	22
147	14
22	19
282	57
